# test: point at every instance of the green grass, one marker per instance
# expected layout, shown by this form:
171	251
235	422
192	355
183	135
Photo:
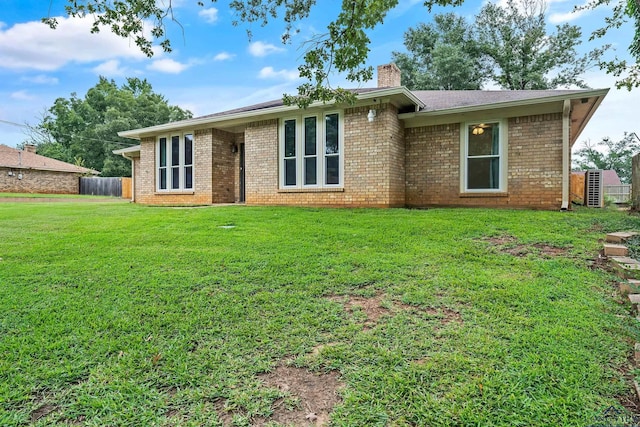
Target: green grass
119	314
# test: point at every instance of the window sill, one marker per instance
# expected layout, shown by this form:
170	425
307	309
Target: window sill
484	194
312	190
174	192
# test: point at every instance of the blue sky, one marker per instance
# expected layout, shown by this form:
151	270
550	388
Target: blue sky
214	66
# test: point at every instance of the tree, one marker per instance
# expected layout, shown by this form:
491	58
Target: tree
86	130
344	47
608	154
520	52
442	55
620	13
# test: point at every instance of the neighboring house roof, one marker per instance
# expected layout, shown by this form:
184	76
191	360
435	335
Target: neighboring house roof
610	177
413	105
19	159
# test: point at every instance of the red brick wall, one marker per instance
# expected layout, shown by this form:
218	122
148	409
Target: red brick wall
534	170
38	181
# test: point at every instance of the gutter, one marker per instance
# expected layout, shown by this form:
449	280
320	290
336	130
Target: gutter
566	128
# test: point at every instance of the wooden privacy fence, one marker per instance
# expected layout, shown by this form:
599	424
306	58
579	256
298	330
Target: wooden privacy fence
126	188
101	186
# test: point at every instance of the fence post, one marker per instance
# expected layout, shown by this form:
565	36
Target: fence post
635	182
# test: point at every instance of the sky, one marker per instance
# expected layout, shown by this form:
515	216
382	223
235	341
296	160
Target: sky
214	66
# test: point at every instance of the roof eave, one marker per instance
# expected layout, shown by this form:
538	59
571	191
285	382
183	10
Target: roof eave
271	111
600	93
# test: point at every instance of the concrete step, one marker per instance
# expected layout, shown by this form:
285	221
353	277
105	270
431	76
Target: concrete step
620	236
615	249
635	301
628	287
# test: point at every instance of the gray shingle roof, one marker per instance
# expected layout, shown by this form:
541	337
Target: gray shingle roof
435	100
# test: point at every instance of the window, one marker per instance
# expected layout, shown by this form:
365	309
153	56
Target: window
484	157
175	163
311	151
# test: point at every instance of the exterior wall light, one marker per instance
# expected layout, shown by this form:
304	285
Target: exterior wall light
371	116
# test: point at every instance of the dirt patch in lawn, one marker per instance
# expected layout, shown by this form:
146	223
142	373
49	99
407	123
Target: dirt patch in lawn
510	245
310	400
445	315
42	412
317	394
371	307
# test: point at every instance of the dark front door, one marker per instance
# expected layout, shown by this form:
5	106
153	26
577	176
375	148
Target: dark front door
242	181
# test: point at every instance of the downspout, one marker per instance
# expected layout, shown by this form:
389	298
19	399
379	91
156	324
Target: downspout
133	177
566	127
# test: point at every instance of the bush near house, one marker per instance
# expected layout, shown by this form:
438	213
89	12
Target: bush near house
120	314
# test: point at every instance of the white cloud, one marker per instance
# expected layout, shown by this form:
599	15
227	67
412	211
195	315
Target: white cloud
168	66
223	56
270	73
22	95
33	45
111	68
210	15
261	49
40	79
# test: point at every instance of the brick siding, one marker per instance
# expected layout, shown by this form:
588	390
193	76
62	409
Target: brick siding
38	181
373	163
534	165
385	165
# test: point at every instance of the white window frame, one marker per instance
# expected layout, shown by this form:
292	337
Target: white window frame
320	156
502	153
181	163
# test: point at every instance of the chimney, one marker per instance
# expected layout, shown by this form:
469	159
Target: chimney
388	75
29	148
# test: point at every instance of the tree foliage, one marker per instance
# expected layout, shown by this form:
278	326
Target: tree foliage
442	55
85	131
622	11
344	47
522	55
609	154
509	46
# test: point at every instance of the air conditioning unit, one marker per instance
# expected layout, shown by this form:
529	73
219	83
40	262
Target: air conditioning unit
594	189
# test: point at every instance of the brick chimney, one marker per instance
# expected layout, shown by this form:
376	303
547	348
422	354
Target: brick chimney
29	148
388	75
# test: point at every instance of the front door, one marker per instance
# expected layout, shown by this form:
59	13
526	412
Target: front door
242	186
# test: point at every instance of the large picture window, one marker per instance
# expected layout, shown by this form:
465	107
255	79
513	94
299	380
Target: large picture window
484	157
311	151
175	162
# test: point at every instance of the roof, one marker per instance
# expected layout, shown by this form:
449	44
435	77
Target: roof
19	159
436	100
610	177
414	104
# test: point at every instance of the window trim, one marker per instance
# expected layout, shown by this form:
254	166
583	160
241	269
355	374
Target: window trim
181	163
320	156
503	156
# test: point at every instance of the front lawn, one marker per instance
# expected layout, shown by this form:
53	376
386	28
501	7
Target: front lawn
119	314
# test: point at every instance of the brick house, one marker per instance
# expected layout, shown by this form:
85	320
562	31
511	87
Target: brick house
24	171
393	147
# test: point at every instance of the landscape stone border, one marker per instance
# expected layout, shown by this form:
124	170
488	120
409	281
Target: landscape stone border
628	269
